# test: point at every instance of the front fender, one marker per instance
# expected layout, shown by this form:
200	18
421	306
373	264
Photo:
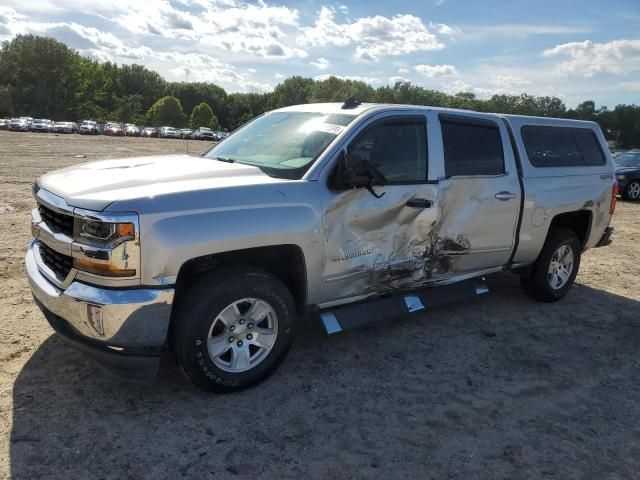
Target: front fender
170	241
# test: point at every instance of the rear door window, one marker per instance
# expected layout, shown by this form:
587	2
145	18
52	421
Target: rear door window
471	146
561	146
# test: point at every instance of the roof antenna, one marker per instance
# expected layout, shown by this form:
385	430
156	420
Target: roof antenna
349	103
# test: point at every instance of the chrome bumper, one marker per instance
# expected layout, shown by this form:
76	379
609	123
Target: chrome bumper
121	318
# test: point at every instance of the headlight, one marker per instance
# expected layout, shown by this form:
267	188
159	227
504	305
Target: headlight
93	231
620	177
106	245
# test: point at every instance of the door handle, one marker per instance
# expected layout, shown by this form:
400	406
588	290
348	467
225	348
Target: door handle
504	196
418	203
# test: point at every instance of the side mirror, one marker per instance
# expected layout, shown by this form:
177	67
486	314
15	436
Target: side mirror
352	173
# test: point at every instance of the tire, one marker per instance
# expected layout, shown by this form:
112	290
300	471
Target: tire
538	283
199	326
632	192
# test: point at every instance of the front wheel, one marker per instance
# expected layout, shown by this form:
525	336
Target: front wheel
555	270
233	327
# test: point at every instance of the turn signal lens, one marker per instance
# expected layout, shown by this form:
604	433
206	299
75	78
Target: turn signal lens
104	269
126	230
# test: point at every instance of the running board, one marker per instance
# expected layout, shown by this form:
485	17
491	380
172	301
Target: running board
352	316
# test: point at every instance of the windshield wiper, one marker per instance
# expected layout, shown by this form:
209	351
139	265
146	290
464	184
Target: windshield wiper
228	160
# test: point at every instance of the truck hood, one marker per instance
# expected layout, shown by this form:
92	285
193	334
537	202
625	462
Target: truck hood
95	185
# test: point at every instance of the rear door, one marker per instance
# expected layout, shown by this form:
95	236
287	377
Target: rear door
479	195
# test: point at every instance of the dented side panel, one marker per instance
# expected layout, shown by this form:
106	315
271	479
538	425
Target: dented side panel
374	245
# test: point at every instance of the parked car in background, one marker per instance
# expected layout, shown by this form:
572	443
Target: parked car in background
204	133
222	135
64	127
40	125
4	123
168	132
628	174
29	120
89	127
130	130
18	125
186	133
150	132
114	129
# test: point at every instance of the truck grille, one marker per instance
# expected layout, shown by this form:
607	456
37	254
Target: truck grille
56	221
60	264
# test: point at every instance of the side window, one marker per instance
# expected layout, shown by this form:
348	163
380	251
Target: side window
561	146
471	147
397	149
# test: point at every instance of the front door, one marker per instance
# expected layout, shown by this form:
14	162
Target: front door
371	244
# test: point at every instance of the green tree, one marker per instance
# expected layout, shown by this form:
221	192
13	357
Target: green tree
244	119
138	80
128	108
293	91
42	74
6	102
166	111
192	94
203	116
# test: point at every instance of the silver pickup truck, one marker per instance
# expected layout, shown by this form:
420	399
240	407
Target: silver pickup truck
348	213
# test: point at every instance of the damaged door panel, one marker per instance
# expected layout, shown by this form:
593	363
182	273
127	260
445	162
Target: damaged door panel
464	223
373	245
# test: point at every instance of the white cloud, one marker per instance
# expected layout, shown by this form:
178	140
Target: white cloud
321	63
588	58
396	79
403	70
258	29
437	71
200	67
355	78
495	85
456	86
374	37
510	82
630	85
279	76
521	30
443	29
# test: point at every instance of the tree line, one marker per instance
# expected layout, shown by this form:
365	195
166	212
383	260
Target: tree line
42	77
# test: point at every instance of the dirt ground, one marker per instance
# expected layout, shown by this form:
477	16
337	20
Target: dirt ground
500	387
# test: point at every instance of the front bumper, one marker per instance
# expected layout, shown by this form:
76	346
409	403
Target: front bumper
124	329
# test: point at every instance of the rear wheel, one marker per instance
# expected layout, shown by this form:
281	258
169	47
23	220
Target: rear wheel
233	328
632	192
555	270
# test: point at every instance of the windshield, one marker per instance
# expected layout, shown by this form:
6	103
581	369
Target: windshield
282	144
629	159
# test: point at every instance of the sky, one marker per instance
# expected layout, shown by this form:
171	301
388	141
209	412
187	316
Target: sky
577	50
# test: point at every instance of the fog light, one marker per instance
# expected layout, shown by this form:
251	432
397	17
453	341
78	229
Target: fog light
94	316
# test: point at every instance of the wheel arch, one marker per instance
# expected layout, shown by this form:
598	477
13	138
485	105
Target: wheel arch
286	262
578	221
